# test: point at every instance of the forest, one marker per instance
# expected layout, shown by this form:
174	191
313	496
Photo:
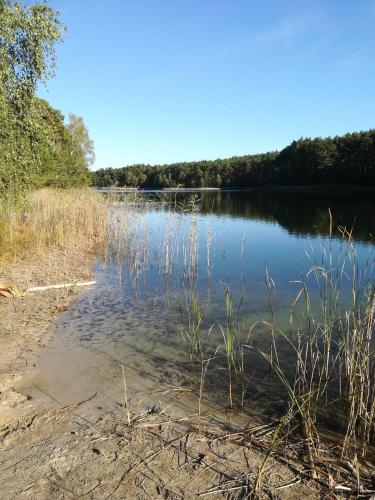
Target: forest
37	147
348	159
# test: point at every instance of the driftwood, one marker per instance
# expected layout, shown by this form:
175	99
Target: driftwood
10	291
63	285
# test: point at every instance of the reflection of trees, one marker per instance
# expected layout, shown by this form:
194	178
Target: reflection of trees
304	214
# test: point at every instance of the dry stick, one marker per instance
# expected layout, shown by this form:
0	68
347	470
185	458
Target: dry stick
287	484
63	285
221	490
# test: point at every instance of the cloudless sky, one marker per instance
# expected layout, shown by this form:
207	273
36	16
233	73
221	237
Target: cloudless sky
159	81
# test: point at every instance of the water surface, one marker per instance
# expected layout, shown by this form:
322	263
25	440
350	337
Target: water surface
178	250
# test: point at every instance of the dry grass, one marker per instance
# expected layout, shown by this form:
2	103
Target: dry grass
72	220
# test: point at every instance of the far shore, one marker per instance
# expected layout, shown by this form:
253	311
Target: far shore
345	189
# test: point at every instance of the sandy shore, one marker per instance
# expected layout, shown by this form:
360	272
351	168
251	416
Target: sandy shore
25	322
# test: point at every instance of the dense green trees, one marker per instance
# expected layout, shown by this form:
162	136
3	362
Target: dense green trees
36	147
349	159
64	151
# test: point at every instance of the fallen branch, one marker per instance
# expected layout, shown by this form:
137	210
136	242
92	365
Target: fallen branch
64	285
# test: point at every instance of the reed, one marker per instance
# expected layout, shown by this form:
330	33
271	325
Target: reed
204	368
332	348
71	220
126	400
128	235
192	334
229	341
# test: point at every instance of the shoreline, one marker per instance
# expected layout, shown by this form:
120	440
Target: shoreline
326	189
27	424
27	322
36	429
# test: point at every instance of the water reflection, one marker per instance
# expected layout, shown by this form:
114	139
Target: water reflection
304	214
166	281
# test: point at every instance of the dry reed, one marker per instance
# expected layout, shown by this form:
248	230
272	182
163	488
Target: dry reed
72	220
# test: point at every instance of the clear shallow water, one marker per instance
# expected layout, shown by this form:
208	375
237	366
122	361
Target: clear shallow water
166	258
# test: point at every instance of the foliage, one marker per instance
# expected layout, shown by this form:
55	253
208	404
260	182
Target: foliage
36	148
81	139
63	159
349	159
28	36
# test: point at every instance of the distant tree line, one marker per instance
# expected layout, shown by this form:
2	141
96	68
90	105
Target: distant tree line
348	159
37	148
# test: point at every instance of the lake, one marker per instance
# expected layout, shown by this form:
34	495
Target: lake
196	295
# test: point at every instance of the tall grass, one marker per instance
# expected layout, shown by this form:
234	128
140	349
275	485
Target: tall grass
192	334
229	340
332	348
128	236
325	359
69	220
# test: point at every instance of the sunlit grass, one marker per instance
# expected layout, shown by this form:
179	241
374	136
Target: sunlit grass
69	220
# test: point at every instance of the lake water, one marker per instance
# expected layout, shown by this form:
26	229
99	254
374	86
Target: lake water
175	258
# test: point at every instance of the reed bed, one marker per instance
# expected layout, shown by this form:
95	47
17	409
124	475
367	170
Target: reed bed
333	349
73	220
329	371
128	236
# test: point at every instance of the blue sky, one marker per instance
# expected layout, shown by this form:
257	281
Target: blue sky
174	80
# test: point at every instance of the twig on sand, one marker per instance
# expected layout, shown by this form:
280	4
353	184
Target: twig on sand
61	285
10	291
